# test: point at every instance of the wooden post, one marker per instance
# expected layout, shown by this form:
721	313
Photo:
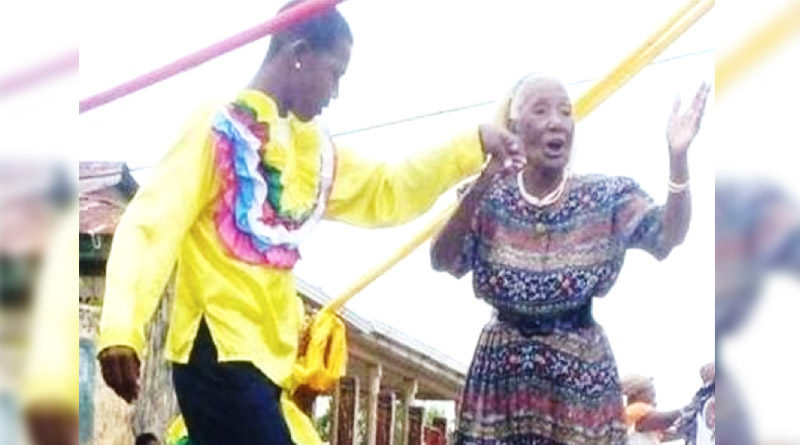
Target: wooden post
409	393
416	420
346	411
385	434
375	373
333	425
157	404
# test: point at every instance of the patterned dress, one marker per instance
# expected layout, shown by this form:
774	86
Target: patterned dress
543	371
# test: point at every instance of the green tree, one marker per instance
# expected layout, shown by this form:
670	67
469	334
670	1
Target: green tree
323	424
432	413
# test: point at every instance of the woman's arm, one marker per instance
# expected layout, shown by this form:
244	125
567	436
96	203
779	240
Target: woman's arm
681	130
448	246
678	209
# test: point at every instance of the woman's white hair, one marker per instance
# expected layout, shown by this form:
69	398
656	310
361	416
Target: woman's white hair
510	106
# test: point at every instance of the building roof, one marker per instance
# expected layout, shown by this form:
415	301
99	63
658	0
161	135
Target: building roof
105	188
98	175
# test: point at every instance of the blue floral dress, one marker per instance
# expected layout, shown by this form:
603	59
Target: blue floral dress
543	371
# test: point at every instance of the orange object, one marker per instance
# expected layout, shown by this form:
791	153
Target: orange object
636	412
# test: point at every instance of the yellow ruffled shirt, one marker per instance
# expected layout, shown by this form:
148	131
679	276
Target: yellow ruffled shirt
252	311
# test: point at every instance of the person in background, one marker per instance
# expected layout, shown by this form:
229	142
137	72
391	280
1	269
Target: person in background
696	422
646	425
707	417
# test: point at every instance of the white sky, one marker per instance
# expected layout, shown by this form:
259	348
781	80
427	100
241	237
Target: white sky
412	57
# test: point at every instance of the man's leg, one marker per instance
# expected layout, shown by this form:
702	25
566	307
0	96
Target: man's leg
227	403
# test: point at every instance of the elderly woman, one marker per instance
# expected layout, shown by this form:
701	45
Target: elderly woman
542	243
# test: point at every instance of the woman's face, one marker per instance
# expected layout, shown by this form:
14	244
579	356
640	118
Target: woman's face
544	123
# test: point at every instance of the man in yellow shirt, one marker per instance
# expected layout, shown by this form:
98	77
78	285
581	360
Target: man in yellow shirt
230	204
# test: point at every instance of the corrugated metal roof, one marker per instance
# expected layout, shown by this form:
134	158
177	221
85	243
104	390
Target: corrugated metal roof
104	191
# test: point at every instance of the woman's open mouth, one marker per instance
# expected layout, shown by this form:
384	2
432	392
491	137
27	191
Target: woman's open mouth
555	148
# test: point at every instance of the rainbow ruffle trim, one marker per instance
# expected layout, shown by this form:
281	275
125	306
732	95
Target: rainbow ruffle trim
249	223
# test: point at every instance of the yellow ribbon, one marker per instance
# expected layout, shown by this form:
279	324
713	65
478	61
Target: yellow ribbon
325	358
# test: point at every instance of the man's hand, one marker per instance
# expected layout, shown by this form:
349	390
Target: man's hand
504	150
120	367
